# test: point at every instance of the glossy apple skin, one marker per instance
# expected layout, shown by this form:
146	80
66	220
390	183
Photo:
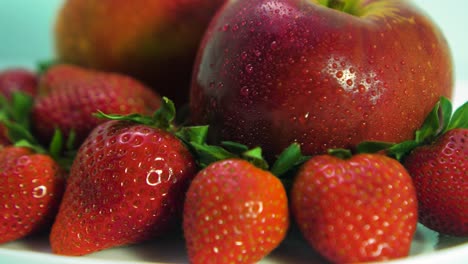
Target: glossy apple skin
154	41
273	72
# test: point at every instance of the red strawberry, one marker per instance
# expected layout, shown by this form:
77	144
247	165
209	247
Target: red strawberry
31	186
234	212
17	79
127	184
359	209
437	160
69	95
439	173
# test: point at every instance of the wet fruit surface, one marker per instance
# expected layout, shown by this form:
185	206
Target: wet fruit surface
273	72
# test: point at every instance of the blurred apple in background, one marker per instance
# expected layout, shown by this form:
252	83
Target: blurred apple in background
152	40
326	74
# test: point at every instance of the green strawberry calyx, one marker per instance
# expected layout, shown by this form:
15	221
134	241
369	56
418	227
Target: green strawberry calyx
195	138
438	122
15	116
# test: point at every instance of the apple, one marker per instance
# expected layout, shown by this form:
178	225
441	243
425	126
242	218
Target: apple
325	74
154	41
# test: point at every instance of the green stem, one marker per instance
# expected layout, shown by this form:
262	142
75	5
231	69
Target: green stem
347	6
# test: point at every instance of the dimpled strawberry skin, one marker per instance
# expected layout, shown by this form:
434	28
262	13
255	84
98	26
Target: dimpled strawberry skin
439	173
126	185
356	210
234	213
31	187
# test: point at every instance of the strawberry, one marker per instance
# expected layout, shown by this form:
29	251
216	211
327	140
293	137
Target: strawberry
12	80
234	212
69	95
127	184
17	79
437	160
439	173
362	208
31	179
31	186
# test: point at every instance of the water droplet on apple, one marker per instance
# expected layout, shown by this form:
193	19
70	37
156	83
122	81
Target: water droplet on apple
244	55
349	82
274	45
249	68
257	53
244	91
339	74
226	27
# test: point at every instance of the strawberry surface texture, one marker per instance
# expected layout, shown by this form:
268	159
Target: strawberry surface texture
355	210
126	185
234	213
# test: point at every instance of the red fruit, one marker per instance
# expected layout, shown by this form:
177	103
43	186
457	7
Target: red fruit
69	95
272	72
154	41
18	79
31	187
439	173
234	213
355	210
127	184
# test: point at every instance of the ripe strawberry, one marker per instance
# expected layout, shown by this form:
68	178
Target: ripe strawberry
69	95
363	208
234	212
31	186
17	79
437	160
439	173
127	184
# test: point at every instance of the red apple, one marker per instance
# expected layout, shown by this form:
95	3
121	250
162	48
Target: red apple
326	74
154	41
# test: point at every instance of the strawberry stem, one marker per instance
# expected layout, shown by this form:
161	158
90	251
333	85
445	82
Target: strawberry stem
162	118
340	153
438	122
290	158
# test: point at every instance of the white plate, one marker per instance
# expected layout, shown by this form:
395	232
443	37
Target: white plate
26	27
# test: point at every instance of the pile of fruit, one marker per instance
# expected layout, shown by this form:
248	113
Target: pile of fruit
329	116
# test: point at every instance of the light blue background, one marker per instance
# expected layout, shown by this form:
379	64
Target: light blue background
26	30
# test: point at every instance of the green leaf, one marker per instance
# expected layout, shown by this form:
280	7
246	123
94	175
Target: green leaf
255	157
166	113
430	126
24	143
234	147
137	118
373	146
208	154
17	132
459	118
197	134
340	153
445	114
43	66
288	159
401	150
71	139
56	144
21	108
